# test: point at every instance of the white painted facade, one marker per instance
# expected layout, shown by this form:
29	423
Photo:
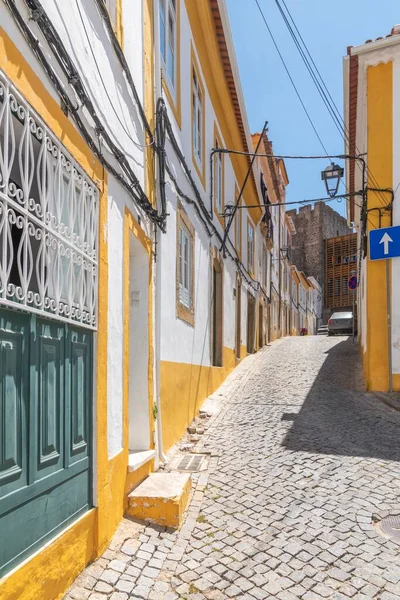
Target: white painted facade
181	342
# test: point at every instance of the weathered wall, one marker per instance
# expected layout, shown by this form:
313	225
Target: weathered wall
313	226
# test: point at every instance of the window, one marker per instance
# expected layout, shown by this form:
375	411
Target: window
197	121
238	227
185	274
168	40
250	247
185	268
218	180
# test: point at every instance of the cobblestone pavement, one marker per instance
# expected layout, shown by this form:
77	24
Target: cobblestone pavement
302	464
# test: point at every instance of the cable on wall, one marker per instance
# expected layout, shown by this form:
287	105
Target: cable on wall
68	68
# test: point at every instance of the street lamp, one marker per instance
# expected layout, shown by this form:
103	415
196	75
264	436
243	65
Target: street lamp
284	251
332	176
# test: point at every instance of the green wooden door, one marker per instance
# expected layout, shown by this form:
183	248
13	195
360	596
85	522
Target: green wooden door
45	431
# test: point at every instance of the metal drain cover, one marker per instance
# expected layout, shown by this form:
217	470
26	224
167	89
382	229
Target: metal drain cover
191	462
390	527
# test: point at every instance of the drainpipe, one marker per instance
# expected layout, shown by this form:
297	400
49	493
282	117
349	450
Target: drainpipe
157	282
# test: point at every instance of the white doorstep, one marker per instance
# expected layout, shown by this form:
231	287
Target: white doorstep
137	458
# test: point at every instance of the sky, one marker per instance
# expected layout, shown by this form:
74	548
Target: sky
327	28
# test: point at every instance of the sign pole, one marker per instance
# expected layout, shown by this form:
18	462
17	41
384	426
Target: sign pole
389	322
354	316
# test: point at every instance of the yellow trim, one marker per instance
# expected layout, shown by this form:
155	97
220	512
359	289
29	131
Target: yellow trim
250	267
29	85
205	40
194	66
176	105
380	163
119	23
184	387
217	142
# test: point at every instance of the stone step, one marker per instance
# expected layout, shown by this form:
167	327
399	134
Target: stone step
162	498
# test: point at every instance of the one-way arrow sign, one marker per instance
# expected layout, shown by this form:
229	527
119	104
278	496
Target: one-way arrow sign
386	240
384	243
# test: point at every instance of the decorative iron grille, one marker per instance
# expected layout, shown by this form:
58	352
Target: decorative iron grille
48	219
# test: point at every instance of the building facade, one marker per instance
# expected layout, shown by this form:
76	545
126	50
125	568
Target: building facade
313	226
77	228
372	80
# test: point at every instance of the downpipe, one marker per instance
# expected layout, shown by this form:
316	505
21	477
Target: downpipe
157	287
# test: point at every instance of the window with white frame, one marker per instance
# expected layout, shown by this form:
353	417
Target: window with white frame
250	247
218	180
168	39
185	264
185	267
197	117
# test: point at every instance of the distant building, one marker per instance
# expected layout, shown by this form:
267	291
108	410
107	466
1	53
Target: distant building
340	264
313	226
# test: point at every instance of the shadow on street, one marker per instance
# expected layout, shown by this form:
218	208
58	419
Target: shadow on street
339	418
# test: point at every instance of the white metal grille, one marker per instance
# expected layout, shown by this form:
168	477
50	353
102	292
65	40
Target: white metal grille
48	219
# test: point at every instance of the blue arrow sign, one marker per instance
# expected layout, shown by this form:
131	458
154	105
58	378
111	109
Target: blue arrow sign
384	243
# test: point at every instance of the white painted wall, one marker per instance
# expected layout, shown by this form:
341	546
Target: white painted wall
181	342
115	323
139	430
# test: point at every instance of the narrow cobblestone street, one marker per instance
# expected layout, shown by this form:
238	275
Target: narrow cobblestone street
302	464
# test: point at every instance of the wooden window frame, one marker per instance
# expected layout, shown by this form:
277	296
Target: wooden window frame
250	267
200	168
184	312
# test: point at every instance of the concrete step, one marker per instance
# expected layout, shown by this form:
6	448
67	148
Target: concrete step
162	498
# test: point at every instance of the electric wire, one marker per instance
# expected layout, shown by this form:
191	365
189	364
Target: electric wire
40	17
319	81
290	77
141	146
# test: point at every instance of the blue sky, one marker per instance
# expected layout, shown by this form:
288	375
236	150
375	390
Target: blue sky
327	28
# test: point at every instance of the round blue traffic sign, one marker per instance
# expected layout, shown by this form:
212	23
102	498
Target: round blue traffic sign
353	282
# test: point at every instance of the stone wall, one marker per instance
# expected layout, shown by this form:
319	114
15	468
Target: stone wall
313	226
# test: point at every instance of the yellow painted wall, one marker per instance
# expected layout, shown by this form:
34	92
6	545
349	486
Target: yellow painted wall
380	163
184	387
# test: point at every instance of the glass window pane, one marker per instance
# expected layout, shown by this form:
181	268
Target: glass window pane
162	30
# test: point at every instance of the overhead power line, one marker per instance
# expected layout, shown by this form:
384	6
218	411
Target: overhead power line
319	82
290	77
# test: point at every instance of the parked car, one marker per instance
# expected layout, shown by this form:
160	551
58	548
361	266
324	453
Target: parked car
341	322
323	330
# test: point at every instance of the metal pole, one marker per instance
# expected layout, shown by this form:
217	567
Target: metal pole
354	314
389	322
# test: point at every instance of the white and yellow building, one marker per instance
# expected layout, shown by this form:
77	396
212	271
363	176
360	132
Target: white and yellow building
77	282
372	118
211	305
